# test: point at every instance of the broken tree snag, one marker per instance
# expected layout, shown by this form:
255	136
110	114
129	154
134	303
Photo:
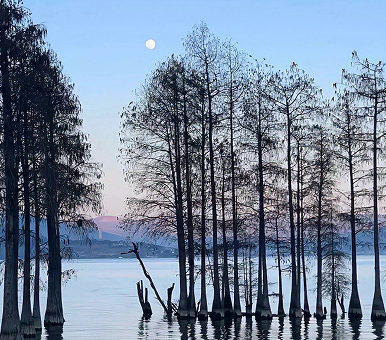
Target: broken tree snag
170	307
146	308
145	272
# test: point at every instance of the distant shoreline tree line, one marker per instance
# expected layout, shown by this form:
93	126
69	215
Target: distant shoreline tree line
46	173
218	143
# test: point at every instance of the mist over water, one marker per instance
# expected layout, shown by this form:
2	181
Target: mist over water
101	303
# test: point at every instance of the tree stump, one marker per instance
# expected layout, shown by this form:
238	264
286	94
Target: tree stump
170	307
145	304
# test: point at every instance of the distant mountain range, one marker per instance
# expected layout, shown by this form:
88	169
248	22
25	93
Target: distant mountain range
109	233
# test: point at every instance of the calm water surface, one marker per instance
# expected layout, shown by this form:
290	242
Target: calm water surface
101	302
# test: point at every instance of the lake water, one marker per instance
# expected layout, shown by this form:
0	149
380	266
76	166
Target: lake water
101	302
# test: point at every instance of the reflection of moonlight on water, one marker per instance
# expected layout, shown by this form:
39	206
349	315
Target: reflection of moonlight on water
150	44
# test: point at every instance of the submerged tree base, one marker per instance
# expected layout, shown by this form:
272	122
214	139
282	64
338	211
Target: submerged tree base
217	314
53	320
28	329
263	311
355	313
192	314
295	313
263	314
182	314
378	315
202	315
12	336
37	323
319	316
238	314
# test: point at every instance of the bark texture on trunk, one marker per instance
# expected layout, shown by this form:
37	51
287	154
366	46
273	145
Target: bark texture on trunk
298	222
333	311
54	309
280	309
355	309
183	303
319	305
203	312
263	310
217	310
36	304
306	307
227	302
378	308
236	296
27	322
295	309
189	222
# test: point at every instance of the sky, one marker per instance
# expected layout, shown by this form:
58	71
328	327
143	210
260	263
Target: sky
102	47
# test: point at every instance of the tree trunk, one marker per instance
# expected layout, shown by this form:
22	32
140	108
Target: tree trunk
378	308
333	312
280	310
27	322
236	296
36	305
319	305
295	309
298	222
355	309
183	303
54	309
189	222
203	312
306	309
264	310
227	302
217	311
10	326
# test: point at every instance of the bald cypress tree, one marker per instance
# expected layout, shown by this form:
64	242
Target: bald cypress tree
259	121
18	37
203	48
350	139
10	15
369	87
294	97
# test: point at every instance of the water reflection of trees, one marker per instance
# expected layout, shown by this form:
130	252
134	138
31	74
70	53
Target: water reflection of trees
296	328
355	324
143	328
378	329
187	329
263	328
319	329
54	332
249	328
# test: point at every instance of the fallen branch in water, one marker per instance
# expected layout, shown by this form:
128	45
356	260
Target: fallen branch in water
167	310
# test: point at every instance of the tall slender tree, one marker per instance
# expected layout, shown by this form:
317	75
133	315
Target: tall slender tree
10	14
295	97
204	49
351	141
369	86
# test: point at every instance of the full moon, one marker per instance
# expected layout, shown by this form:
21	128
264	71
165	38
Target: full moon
150	44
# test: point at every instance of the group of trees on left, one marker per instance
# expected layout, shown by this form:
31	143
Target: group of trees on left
46	172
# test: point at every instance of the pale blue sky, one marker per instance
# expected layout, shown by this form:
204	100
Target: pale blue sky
102	47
